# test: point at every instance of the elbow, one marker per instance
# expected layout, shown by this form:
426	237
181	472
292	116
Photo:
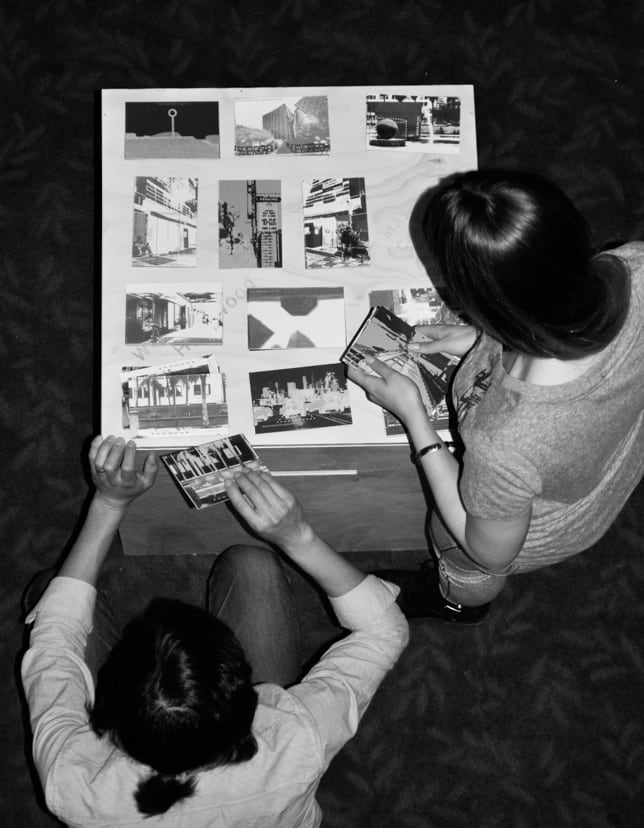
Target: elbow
492	559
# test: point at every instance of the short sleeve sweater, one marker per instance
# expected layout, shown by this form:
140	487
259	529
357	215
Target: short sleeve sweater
573	452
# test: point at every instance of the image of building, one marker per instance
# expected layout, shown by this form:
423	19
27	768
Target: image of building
164	229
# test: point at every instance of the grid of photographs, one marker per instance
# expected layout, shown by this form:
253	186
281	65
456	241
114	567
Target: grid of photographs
272	220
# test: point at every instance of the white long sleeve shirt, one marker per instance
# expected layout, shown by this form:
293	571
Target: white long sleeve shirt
89	782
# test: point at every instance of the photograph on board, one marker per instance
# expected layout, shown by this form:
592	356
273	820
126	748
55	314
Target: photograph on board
336	233
177	315
250	224
311	396
417	306
164	232
171	129
413	123
282	126
305	317
181	397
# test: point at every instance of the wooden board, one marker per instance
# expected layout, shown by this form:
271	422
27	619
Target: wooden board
375	503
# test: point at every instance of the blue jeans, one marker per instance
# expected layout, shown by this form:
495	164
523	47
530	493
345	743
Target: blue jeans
248	589
460	580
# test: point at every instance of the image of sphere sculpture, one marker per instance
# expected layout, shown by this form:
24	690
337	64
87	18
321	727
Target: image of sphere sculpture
387	129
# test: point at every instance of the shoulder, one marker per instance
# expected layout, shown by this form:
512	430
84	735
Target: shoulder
631	255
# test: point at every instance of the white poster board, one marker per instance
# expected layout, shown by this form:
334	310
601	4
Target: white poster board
245	234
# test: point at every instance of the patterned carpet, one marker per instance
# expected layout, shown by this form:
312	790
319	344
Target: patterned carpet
536	717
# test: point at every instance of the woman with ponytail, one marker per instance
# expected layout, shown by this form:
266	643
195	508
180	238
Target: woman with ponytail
195	716
548	397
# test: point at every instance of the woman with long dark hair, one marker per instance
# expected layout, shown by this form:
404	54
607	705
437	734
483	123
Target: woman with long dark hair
548	397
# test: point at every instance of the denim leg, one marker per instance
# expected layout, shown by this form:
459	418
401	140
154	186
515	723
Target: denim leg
458	581
248	589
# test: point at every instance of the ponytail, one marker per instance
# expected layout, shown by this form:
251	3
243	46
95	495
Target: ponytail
159	792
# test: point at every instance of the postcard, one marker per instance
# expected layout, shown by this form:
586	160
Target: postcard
200	471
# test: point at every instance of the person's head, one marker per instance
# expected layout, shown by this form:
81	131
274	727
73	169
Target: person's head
516	261
175	694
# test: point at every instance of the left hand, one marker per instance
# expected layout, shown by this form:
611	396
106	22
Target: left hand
111	462
391	389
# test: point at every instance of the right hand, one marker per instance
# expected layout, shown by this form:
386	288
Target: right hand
268	508
112	466
446	339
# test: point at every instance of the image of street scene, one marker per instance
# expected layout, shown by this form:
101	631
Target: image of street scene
172	129
336	233
201	471
414	123
250	224
164	222
173	315
307	317
282	126
176	397
386	337
417	306
312	396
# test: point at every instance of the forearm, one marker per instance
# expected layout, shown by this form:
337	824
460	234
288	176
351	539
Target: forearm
334	574
441	470
86	556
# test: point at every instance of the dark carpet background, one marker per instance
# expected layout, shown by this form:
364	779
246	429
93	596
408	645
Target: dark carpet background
534	718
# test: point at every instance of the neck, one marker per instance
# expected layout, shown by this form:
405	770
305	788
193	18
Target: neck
544	370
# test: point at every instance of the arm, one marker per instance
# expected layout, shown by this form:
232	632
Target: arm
274	513
489	543
56	678
117	483
338	689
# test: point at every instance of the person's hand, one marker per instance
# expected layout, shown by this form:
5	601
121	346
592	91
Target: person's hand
446	339
111	463
390	389
268	508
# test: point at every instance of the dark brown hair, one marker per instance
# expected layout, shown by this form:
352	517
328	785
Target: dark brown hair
515	260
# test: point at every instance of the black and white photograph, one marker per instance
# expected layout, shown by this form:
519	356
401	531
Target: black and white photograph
282	126
171	129
200	471
336	232
311	396
181	397
250	224
164	232
413	123
174	315
306	317
416	306
386	337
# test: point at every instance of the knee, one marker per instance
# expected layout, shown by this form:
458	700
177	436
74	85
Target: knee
245	558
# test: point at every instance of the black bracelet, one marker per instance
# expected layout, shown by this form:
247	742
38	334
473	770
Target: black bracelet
426	450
